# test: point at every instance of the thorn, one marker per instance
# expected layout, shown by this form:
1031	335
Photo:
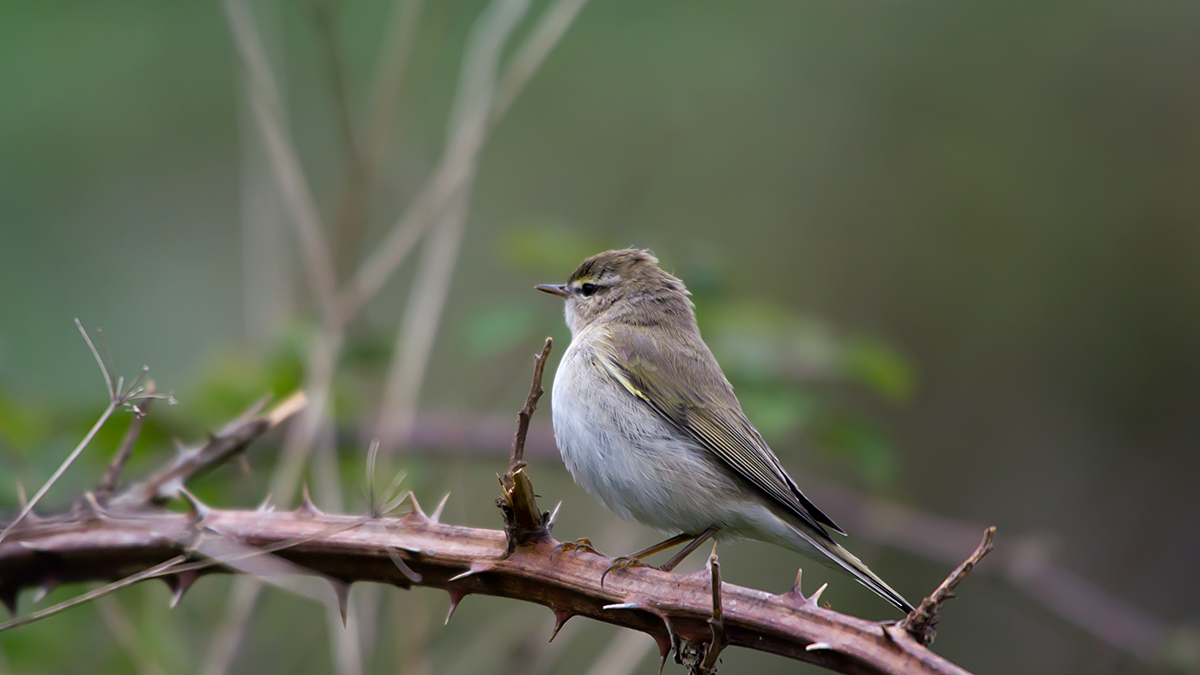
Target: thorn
816	597
553	516
91	506
796	584
307	507
560	618
34	546
818	646
8	597
21	500
456	597
437	513
44	590
266	506
179	584
244	464
664	650
341	590
625	605
417	510
671	642
197	508
475	568
212	438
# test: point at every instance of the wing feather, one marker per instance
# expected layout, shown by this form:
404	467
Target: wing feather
701	404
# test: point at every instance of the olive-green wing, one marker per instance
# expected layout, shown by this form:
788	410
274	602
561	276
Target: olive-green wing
700	402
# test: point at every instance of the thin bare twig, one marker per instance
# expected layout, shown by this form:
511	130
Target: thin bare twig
348	223
532	52
517	459
224	644
268	109
108	383
523	520
125	449
62	468
455	169
418	330
222	446
117	621
116	398
389	72
922	621
466	133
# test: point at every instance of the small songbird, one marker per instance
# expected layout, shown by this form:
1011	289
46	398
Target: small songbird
648	424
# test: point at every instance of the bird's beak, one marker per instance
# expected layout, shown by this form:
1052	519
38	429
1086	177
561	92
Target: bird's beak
553	289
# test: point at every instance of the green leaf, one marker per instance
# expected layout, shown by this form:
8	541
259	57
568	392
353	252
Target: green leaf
880	368
497	329
779	412
550	249
873	455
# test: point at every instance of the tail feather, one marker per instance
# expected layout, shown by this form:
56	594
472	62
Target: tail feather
849	562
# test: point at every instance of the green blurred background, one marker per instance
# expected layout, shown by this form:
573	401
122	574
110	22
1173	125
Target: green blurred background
948	252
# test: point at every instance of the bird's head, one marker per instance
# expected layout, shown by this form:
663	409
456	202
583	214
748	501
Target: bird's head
625	286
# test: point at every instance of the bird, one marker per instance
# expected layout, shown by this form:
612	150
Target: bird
647	423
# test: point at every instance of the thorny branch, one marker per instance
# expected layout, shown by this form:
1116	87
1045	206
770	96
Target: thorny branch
695	615
1025	563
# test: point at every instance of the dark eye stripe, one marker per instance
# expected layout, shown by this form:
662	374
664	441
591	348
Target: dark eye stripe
588	289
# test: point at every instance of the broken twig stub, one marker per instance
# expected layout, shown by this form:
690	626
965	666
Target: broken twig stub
523	520
922	622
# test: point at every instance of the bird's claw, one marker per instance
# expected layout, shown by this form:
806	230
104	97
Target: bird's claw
622	563
583	544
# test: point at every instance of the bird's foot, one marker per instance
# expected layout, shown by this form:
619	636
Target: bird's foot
583	544
622	563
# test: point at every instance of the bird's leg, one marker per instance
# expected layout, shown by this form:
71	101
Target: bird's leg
635	559
687	550
583	544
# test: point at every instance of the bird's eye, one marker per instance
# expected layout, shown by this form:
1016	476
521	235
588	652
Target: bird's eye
588	289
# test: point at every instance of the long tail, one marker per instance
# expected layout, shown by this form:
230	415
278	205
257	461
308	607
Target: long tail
819	546
847	561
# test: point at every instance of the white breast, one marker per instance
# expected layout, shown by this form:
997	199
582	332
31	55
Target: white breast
628	457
